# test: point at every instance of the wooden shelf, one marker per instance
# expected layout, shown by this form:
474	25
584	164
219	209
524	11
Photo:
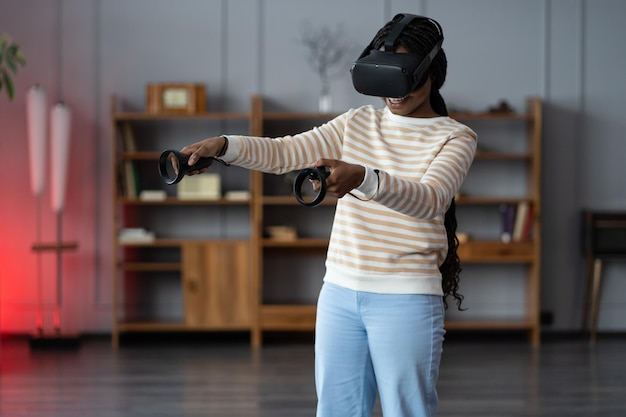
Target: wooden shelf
468	116
288	200
294	244
147	326
287	317
54	246
504	156
164	242
490	201
140	156
151	266
298	116
137	116
496	252
302	317
489	324
173	201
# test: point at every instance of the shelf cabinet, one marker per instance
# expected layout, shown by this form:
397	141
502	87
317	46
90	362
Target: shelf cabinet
499	209
194	270
511	151
216	282
219	269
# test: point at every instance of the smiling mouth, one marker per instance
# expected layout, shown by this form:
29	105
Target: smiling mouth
397	100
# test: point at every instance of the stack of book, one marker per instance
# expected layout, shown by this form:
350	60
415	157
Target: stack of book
135	235
517	222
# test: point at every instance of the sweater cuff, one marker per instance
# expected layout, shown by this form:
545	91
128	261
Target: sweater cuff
233	149
370	184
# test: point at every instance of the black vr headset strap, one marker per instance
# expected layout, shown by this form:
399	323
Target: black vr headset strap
428	59
397	29
391	38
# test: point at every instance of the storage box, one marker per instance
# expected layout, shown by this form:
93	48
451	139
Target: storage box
207	186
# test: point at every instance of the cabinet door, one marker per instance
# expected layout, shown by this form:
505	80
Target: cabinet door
216	284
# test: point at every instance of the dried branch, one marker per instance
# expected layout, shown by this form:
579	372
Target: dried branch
326	47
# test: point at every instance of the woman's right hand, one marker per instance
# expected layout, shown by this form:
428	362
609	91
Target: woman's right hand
209	147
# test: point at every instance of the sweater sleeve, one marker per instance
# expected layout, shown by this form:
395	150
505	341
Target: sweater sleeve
432	194
287	153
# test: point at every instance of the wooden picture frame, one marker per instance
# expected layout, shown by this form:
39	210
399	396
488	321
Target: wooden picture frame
175	98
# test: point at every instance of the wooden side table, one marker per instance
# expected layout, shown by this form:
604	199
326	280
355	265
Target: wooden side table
603	239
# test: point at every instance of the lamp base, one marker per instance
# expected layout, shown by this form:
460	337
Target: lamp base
56	341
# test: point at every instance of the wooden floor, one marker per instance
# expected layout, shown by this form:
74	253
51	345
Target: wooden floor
484	377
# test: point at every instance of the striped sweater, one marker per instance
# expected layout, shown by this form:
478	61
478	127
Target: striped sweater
395	242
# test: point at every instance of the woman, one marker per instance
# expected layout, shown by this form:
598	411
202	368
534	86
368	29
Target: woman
392	257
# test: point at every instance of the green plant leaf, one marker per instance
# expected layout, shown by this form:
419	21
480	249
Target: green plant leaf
11	64
15	58
9	84
11	59
19	57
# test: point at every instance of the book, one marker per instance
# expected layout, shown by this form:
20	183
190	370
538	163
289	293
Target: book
152	195
507	213
128	138
521	215
131	180
528	224
241	195
121	181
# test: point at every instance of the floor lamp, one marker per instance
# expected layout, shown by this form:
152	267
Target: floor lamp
60	128
36	111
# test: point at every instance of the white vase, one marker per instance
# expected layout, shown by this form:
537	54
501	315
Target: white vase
325	102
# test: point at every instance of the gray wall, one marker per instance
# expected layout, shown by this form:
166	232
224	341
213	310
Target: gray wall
569	52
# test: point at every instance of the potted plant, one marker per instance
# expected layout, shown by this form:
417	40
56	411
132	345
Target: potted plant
11	59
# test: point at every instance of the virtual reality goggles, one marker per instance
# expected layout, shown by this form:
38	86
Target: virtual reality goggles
389	74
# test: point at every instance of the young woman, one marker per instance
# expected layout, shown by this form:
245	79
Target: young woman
391	259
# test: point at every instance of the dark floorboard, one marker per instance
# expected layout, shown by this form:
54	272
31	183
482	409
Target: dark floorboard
486	377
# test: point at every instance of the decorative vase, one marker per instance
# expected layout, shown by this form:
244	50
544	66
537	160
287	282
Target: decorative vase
325	102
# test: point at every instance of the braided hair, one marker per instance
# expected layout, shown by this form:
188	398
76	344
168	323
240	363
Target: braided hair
419	37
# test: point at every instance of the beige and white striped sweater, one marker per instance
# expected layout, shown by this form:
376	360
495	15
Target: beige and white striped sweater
394	242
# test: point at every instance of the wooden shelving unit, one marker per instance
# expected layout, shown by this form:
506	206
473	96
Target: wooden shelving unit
525	252
232	297
216	275
296	317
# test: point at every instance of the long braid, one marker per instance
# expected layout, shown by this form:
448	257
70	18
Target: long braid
419	37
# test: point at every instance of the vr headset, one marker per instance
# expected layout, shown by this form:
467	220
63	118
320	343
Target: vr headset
389	74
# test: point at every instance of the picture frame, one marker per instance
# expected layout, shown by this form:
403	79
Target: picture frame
175	98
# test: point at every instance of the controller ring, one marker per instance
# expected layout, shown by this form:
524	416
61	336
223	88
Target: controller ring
183	165
318	173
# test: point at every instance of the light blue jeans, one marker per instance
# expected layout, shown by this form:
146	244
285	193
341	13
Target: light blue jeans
367	343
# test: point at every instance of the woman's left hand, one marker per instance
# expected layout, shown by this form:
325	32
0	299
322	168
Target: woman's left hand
344	177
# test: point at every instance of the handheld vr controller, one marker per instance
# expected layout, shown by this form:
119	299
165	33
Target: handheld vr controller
313	174
173	165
